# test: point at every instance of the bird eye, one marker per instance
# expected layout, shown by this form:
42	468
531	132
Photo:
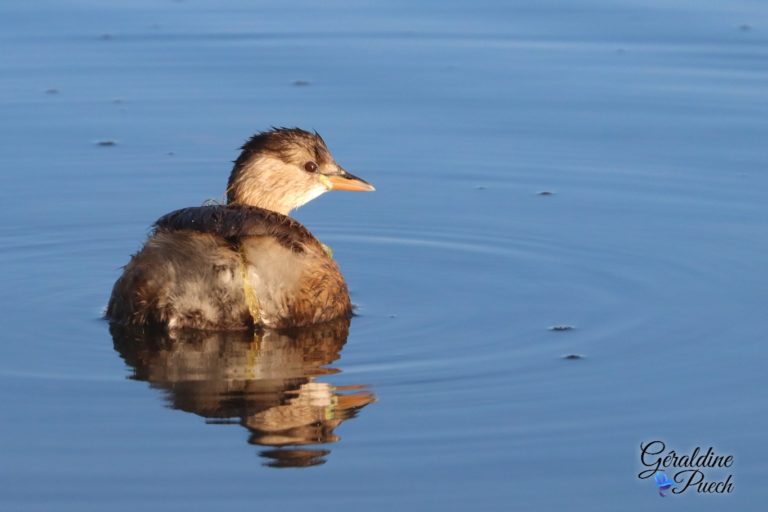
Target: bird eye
310	167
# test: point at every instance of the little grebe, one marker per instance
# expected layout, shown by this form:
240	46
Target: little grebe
247	263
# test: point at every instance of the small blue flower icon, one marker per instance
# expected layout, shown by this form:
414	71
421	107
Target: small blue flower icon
663	483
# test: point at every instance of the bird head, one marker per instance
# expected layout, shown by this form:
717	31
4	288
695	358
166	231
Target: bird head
284	168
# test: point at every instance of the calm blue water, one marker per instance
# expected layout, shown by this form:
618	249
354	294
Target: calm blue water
646	121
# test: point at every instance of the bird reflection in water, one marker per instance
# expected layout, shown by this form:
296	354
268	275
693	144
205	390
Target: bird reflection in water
266	381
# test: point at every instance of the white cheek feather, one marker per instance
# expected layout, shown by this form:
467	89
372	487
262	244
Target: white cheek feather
314	192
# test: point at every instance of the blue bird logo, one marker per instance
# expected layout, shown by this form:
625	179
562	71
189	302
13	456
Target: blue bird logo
663	483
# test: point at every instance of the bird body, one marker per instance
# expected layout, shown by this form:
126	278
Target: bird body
242	265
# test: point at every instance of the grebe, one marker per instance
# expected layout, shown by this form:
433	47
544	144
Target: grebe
247	263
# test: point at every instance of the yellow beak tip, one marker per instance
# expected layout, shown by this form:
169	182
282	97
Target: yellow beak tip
350	184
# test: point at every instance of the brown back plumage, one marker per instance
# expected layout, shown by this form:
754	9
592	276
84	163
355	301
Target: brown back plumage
233	222
190	273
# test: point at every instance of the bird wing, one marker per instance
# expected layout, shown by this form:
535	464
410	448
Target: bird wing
233	222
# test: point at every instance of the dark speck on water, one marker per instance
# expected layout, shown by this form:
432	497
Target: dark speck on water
641	116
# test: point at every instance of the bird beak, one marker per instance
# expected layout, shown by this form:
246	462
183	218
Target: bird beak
346	181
